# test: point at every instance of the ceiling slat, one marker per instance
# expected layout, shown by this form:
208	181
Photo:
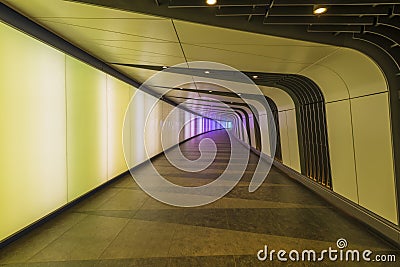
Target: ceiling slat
332	11
396	10
333	28
202	3
333	2
307	11
241	11
282	20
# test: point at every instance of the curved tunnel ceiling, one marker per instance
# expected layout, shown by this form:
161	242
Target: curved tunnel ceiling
123	37
145	37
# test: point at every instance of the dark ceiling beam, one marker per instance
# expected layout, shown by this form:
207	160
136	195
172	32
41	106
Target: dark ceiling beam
322	20
332	11
207	106
193	90
212	111
222	3
306	11
396	10
392	22
383	43
147	67
388	32
336	28
208	100
202	3
244	106
333	2
241	11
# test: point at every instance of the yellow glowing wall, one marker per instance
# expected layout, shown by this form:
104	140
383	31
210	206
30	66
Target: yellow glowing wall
360	148
293	139
153	127
61	134
359	134
118	96
264	132
373	154
341	149
33	130
289	139
86	91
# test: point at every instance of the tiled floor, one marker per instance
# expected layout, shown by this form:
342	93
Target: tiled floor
122	226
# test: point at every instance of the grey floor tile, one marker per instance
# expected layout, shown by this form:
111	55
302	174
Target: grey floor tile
27	246
121	225
85	241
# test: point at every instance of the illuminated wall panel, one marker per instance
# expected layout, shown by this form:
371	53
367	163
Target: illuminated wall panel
284	138
244	130
241	129
63	123
118	96
33	133
153	127
192	126
180	127
187	123
252	136
199	126
264	131
293	140
289	139
171	127
127	134
373	153
86	127
341	150
137	110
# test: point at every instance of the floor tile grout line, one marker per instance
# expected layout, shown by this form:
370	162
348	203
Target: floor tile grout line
69	228
116	236
119	232
172	241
